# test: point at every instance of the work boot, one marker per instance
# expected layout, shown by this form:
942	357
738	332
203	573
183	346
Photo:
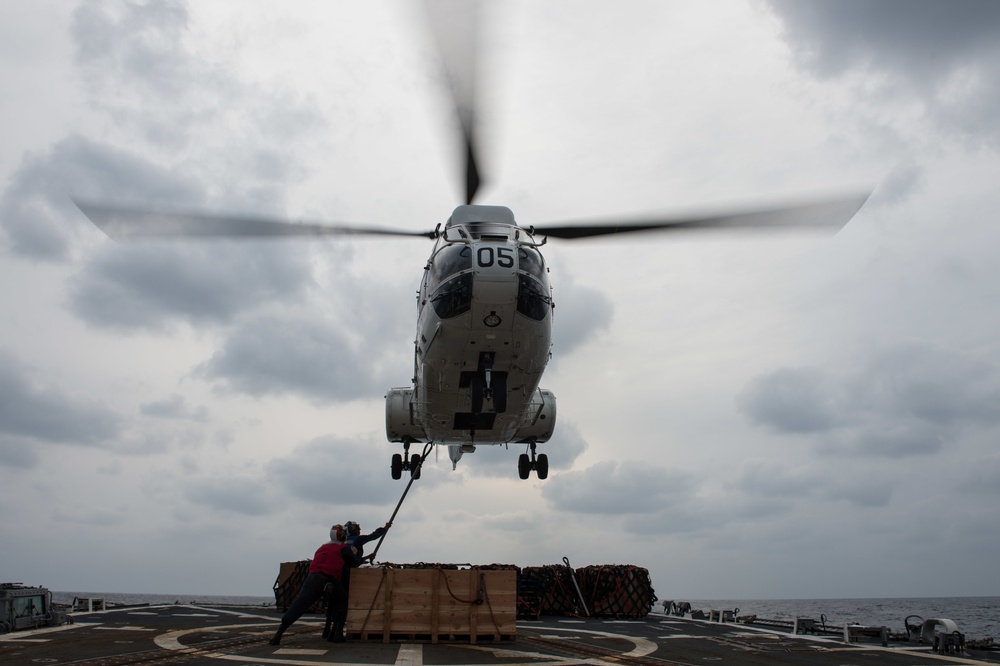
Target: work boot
337	633
276	639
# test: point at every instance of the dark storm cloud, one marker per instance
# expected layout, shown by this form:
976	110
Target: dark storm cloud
984	477
48	415
919	38
770	480
946	53
911	400
767	481
866	493
37	215
792	401
18	453
153	285
309	356
244	496
333	471
615	487
174	407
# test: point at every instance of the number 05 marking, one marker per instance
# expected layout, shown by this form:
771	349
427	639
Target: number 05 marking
502	256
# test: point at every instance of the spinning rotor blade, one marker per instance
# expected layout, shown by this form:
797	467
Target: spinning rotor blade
454	25
827	213
130	223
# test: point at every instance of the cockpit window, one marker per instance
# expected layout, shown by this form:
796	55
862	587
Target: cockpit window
454	297
449	261
530	261
532	298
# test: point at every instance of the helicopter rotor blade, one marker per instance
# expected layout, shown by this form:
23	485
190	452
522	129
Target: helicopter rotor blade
134	223
454	26
817	214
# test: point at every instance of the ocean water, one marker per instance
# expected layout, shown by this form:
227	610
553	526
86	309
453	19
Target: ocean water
976	617
131	599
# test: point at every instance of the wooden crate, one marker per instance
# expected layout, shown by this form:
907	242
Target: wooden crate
432	605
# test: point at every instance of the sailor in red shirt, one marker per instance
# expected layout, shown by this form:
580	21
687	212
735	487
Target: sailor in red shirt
324	578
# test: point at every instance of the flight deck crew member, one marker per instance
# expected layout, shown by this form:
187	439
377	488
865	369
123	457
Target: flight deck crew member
328	565
358	540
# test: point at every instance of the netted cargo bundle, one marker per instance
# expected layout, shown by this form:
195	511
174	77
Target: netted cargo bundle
291	575
555	585
531	589
609	590
445	565
620	591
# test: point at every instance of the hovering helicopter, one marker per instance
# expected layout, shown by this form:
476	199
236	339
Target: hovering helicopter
484	324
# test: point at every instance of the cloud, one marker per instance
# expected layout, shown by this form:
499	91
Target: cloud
581	313
791	401
332	471
616	487
920	39
794	485
301	354
49	415
174	407
909	400
984	478
945	55
241	495
37	214
565	447
18	453
156	285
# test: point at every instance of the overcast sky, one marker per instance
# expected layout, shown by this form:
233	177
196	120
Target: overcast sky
745	415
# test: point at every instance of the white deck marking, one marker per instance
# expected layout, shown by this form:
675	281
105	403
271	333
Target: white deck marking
410	654
21	635
125	628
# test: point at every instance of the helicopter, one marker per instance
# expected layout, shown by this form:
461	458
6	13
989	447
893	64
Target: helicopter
485	303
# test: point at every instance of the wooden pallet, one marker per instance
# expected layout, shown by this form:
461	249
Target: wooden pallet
432	605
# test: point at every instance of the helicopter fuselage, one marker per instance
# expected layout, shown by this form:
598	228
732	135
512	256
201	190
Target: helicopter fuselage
483	339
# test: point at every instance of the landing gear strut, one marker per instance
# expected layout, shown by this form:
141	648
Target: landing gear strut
401	462
485	384
526	463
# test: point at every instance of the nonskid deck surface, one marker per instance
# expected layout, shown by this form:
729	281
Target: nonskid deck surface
188	634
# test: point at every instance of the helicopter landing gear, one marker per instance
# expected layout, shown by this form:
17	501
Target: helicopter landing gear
404	461
477	391
485	384
526	463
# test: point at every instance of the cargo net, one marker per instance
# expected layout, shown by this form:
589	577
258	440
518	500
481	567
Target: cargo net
609	591
618	591
289	582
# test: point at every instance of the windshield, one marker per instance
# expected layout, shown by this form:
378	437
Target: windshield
448	262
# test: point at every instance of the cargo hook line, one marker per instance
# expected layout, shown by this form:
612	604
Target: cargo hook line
572	577
414	473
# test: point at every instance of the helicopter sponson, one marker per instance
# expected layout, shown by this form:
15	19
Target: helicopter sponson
483	340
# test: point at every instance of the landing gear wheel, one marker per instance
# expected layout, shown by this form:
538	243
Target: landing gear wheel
397	466
415	466
542	466
523	466
477	389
